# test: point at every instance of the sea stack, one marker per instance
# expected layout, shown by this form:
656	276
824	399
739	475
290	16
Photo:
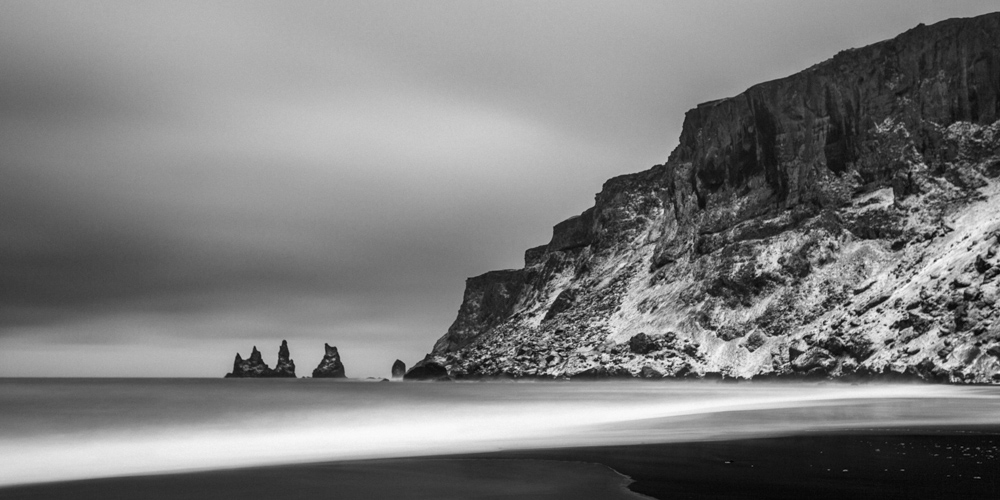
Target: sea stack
254	367
398	369
285	367
330	366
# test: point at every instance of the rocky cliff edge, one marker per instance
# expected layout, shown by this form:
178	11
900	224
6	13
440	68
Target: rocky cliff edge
840	222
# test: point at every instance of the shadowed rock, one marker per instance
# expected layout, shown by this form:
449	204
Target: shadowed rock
427	370
398	369
285	367
254	367
330	366
642	344
563	302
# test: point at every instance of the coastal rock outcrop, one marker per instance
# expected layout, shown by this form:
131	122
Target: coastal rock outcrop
285	366
840	222
427	370
398	369
255	367
330	366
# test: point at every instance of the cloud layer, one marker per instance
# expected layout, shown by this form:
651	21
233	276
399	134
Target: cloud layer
204	176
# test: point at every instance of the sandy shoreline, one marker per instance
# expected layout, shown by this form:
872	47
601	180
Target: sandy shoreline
408	478
920	463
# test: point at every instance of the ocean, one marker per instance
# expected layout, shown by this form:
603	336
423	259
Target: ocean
59	430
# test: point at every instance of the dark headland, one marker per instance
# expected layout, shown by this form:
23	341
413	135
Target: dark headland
840	222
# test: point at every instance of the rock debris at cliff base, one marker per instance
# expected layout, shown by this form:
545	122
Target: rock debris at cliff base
840	222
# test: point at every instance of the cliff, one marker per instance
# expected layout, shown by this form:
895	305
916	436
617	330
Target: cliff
840	222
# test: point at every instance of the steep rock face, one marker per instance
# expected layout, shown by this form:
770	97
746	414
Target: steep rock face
330	366
843	221
489	300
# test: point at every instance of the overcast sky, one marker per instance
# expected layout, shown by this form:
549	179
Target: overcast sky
184	180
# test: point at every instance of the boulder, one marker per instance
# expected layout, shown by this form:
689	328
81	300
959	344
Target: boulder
642	344
427	370
813	359
982	265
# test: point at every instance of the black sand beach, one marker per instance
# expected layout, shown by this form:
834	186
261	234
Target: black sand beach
931	464
922	463
418	478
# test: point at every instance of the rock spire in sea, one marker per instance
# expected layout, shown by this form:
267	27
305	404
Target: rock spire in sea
255	367
398	369
330	366
285	366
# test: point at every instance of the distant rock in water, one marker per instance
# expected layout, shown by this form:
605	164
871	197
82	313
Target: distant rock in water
398	369
330	366
255	367
285	366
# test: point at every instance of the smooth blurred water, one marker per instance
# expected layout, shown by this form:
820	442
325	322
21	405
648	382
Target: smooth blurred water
61	429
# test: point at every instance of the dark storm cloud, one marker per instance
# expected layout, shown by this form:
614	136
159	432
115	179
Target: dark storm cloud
220	170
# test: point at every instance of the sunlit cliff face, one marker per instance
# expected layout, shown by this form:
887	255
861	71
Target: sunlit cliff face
840	222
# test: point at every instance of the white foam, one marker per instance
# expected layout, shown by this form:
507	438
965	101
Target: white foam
371	421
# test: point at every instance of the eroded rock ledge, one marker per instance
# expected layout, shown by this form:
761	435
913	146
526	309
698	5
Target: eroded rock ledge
841	222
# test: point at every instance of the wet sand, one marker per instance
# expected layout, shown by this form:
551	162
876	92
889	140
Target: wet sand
922	463
917	464
416	478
